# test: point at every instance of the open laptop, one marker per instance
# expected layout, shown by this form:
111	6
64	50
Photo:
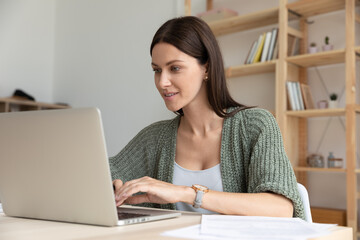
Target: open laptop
54	166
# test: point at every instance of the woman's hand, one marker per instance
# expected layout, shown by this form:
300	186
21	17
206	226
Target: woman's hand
154	191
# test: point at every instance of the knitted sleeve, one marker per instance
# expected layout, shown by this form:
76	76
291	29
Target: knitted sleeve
137	158
269	169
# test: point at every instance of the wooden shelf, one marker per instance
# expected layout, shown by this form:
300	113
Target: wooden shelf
318	59
307	8
245	22
317	113
313	169
250	69
6	103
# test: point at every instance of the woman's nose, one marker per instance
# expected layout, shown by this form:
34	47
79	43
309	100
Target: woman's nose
164	80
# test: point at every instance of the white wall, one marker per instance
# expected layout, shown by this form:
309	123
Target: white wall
26	47
102	59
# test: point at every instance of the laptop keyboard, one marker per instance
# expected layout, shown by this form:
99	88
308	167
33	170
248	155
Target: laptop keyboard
126	215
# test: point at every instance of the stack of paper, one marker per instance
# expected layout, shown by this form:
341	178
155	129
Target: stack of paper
239	227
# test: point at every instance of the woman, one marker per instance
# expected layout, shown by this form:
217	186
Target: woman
216	156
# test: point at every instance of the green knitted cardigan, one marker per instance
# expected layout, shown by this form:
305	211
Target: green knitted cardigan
252	157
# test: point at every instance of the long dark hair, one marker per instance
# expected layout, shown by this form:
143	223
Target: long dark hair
194	37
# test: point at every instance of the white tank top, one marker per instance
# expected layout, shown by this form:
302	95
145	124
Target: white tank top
210	178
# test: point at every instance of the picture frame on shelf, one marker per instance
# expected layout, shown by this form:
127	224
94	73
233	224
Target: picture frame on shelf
307	96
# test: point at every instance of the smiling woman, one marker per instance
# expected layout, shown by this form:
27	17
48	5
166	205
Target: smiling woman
217	155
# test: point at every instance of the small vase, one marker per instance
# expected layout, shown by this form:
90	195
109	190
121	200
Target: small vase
333	104
313	49
327	47
322	104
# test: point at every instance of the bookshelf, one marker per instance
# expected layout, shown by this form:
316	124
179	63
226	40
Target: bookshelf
251	69
318	59
245	22
293	124
313	169
317	113
299	118
6	105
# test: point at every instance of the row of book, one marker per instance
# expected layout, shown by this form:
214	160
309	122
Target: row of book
299	96
265	48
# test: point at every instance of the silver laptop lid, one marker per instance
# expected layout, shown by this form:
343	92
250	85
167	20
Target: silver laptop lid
54	165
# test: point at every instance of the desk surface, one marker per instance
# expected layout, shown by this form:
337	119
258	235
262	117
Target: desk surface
20	228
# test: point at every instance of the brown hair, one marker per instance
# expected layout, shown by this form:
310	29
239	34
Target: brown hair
194	37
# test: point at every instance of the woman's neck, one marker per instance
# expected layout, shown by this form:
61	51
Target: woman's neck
200	121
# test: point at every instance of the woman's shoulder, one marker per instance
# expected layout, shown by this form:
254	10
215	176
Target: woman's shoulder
254	115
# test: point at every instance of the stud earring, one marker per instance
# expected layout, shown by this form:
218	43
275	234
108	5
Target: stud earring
206	78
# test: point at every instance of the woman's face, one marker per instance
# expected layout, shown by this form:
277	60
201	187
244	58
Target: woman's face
179	77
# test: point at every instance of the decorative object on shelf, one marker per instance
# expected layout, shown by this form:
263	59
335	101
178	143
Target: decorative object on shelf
333	101
335	163
327	46
306	94
329	159
322	104
217	14
22	95
315	160
313	48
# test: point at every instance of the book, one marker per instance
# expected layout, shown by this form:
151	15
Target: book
299	95
296	47
265	50
273	41
306	94
291	42
259	49
276	50
251	52
293	45
296	97
291	95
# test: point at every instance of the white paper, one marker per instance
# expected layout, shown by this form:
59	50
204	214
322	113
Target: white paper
242	227
1	209
214	227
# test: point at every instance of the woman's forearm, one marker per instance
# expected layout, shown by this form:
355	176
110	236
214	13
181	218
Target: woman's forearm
246	204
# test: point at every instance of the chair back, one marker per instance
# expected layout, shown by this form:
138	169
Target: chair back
305	199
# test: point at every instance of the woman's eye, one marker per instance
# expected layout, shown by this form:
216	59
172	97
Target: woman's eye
175	69
157	70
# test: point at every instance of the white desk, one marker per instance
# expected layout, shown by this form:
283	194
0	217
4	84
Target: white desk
19	228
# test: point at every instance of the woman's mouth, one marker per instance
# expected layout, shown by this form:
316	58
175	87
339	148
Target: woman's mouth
169	95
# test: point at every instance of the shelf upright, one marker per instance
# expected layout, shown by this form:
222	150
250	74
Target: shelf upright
281	72
302	122
350	114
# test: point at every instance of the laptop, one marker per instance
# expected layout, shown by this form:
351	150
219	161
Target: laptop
54	166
